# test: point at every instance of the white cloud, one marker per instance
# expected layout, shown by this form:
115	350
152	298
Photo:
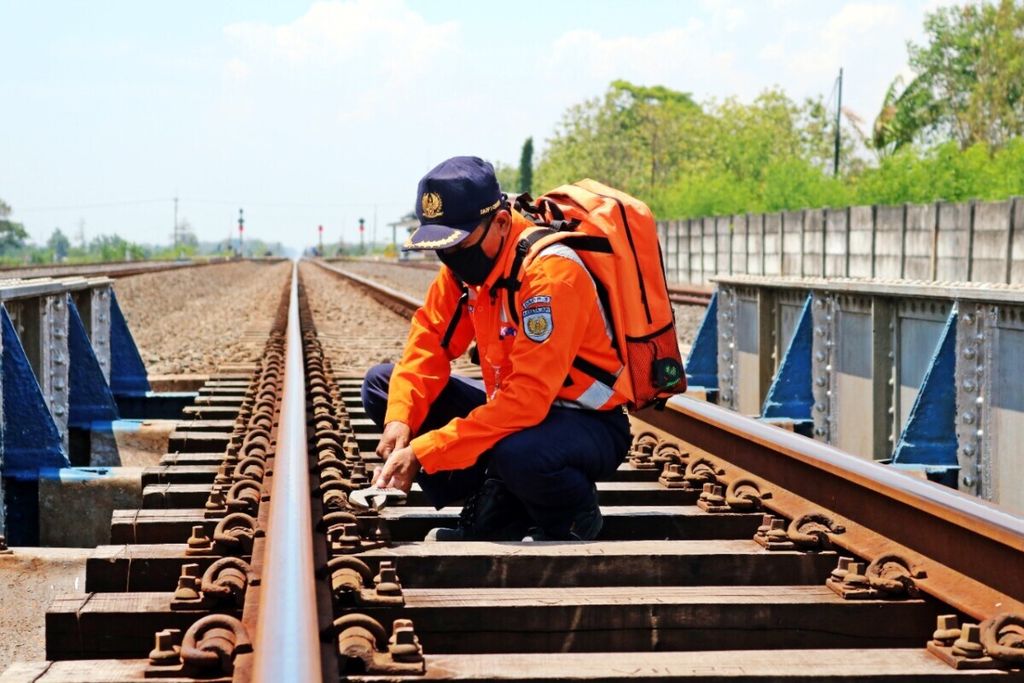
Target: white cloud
346	53
687	58
856	19
236	69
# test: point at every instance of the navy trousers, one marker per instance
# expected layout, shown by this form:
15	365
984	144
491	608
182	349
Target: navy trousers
551	467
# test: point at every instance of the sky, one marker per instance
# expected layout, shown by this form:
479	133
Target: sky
308	114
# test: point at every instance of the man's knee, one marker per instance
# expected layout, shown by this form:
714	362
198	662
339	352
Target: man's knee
374	391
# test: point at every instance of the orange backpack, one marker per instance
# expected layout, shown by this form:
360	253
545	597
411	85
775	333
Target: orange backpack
615	236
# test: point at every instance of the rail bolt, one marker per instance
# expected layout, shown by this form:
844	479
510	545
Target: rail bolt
777	532
842	568
672	476
947	630
855	575
165	651
969	645
386	580
404	645
188	583
346	536
199	543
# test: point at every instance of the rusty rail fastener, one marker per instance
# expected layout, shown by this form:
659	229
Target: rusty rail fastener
1002	638
211	644
365	647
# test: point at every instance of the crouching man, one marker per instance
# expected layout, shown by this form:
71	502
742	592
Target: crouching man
521	450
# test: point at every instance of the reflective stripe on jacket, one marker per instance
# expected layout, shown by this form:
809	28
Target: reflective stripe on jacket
526	360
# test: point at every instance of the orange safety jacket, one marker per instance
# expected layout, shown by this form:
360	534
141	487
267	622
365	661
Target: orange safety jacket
529	362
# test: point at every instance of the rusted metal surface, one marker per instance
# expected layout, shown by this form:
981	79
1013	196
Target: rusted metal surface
287	643
973	552
694	295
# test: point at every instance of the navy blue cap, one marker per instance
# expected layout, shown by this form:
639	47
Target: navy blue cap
451	201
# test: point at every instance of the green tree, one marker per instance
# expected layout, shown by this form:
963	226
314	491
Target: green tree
970	80
59	244
508	178
114	248
634	138
12	235
526	167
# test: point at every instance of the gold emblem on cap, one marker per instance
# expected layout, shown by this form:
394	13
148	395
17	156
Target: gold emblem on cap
431	205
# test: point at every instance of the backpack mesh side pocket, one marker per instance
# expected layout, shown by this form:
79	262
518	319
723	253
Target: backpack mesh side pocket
655	366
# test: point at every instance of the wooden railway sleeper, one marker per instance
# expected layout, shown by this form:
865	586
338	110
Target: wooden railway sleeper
364	647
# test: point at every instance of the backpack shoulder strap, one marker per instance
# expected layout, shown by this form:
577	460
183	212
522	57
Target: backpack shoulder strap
511	283
456	316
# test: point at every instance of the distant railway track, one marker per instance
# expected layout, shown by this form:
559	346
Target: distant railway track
113	269
738	552
690	295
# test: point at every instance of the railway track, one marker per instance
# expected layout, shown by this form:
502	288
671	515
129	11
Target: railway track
689	295
739	553
114	269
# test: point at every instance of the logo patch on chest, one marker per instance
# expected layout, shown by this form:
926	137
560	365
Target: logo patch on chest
537	323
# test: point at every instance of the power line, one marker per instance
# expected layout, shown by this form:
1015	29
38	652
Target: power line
97	205
190	200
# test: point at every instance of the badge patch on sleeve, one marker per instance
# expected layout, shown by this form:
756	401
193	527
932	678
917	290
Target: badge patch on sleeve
537	323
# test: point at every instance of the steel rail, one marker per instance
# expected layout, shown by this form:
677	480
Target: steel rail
110	269
692	295
287	644
401	303
973	551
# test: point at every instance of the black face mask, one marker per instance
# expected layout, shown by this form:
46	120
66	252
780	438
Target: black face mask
471	264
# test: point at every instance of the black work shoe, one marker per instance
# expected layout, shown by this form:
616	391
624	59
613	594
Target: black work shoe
490	514
586	525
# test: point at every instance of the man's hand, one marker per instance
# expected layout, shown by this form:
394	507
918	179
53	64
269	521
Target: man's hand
396	435
399	471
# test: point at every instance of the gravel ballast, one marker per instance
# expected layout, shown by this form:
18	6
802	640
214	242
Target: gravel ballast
193	319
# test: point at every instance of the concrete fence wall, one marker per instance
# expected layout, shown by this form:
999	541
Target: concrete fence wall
972	241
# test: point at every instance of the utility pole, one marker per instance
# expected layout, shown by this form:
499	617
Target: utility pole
241	229
839	108
175	223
